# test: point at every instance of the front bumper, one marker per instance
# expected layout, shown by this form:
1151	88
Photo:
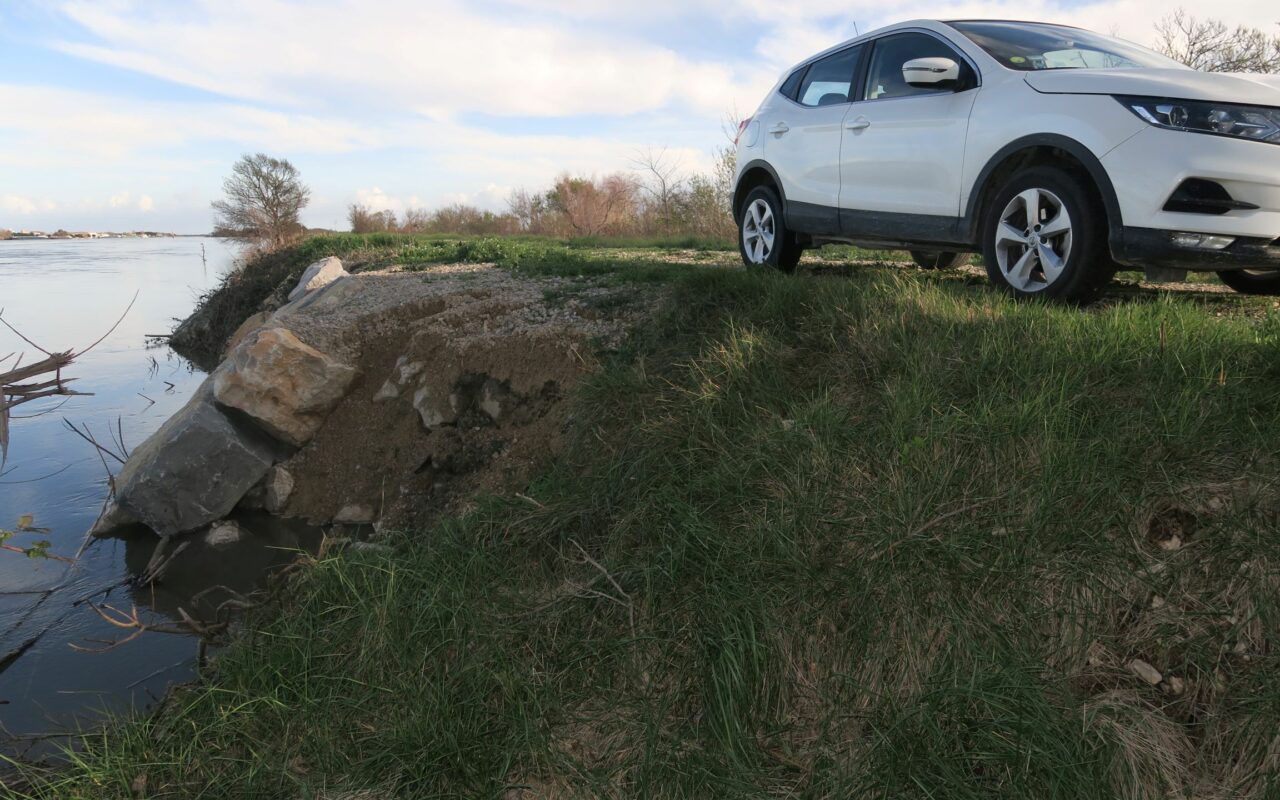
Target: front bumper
1153	247
1148	168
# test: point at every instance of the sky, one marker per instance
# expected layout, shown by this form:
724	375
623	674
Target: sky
128	114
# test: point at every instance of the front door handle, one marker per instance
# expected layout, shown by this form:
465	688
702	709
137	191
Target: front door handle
779	129
859	124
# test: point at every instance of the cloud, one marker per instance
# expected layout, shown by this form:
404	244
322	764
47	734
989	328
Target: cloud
401	55
145	203
118	200
73	126
377	200
15	204
492	197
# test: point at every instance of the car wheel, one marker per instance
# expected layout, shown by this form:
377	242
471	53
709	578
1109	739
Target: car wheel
763	238
1253	281
1045	236
939	260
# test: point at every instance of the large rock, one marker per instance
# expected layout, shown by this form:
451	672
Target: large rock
318	275
247	327
190	472
284	385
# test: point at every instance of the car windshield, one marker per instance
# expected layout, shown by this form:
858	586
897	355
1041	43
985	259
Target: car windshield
1032	46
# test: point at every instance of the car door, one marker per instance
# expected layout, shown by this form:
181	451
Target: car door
802	140
902	149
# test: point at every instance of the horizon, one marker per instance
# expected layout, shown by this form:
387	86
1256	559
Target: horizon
127	116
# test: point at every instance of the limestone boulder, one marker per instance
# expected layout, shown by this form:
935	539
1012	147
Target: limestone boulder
254	322
318	275
284	385
190	472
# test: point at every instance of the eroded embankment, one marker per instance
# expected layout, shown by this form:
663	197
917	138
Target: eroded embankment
383	397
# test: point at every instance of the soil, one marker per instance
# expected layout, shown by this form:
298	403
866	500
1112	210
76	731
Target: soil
466	373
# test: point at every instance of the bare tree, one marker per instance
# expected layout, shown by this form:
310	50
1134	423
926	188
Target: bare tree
365	220
660	179
1210	46
594	207
264	197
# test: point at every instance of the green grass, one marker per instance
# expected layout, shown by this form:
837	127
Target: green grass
876	534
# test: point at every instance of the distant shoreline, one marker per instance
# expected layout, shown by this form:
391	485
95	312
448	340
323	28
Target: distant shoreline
41	236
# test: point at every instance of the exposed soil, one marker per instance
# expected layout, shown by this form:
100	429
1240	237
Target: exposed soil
465	375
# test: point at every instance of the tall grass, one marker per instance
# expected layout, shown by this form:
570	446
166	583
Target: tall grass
877	536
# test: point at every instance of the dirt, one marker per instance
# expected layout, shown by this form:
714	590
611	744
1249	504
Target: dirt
466	374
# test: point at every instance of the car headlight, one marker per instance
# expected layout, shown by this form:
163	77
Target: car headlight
1258	123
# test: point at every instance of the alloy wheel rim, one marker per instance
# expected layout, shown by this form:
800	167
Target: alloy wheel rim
758	232
1033	240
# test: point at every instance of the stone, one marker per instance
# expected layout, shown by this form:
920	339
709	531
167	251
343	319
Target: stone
192	471
389	391
408	369
355	514
284	385
113	518
279	488
318	275
224	534
370	547
1172	543
1145	671
247	327
435	408
495	398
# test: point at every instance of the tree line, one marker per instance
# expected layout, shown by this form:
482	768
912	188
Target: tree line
654	199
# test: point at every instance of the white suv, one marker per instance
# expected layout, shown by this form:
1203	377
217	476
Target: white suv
1057	153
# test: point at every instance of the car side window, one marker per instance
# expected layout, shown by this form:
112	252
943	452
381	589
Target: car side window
829	81
791	85
884	77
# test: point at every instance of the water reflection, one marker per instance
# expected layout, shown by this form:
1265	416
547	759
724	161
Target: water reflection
64	294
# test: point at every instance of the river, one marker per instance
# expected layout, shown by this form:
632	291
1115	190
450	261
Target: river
62	666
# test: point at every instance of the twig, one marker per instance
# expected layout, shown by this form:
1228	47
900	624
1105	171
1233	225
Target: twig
631	612
51	409
18	333
88	437
35	480
160	561
131	621
15	549
112	329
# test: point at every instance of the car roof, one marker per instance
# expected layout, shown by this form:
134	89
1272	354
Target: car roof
943	27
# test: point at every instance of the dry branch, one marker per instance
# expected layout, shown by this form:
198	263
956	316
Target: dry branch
16	383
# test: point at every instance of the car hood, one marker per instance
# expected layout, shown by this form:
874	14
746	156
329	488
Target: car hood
1183	84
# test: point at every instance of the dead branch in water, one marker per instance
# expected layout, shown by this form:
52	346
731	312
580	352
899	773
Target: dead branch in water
132	621
40	379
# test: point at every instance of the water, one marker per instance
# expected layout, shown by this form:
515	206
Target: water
64	294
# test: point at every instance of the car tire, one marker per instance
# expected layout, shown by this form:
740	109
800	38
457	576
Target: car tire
1056	250
763	238
939	260
1253	281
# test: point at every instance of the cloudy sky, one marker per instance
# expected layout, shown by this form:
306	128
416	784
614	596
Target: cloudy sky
126	114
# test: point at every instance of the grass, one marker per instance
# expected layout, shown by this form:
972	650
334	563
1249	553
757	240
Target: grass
869	533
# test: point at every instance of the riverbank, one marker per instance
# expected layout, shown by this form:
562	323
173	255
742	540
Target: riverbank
867	531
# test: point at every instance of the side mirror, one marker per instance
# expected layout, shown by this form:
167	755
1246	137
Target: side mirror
931	73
